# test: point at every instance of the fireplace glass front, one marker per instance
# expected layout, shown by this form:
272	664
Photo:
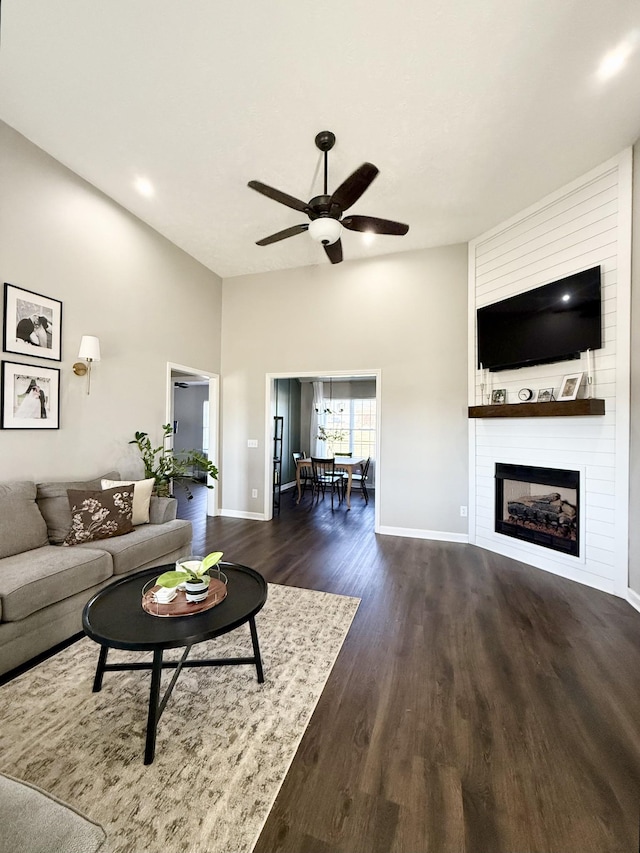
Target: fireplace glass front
539	505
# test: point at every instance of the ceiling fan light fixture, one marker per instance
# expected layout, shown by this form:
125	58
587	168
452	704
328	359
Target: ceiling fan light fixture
325	230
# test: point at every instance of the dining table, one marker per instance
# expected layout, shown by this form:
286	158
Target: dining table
342	463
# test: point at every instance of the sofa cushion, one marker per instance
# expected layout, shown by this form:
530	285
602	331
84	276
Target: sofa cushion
99	514
34	821
54	504
144	544
22	526
48	575
141	497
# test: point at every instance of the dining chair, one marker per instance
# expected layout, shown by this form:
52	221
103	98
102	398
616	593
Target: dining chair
306	474
325	476
359	481
339	468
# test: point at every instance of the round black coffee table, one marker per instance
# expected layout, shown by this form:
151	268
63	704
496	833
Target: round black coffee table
114	618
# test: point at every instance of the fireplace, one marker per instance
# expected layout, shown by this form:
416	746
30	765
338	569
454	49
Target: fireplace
539	505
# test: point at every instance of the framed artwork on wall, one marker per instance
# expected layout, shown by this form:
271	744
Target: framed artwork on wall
32	323
30	396
570	386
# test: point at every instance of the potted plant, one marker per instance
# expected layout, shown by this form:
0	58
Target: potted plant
193	572
165	466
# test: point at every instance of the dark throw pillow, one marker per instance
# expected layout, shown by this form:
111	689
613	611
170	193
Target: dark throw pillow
99	514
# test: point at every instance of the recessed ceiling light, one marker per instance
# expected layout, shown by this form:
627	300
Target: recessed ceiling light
368	237
144	186
566	297
614	61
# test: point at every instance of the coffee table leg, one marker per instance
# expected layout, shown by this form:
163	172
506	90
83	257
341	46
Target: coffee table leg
154	696
256	649
102	659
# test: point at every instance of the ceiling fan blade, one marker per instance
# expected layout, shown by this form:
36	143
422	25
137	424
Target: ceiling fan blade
334	251
350	190
282	235
277	195
375	225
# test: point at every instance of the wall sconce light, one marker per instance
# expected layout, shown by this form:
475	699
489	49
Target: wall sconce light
90	351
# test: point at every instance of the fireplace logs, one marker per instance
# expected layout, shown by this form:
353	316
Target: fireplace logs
544	512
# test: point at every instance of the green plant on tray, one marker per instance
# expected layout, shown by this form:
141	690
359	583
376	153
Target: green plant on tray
191	570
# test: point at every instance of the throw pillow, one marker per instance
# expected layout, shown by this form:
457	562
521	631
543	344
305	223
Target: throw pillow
53	503
99	514
141	497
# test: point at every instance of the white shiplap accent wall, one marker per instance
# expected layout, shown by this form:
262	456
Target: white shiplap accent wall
586	224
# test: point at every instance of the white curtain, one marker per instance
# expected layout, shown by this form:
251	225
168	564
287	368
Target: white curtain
317	419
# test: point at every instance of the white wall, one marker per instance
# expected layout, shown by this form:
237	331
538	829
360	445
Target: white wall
403	314
117	279
585	224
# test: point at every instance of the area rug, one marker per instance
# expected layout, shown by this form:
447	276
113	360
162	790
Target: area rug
224	742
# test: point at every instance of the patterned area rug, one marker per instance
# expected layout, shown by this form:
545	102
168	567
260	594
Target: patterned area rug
224	742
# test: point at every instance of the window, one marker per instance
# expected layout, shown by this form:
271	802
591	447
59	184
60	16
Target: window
356	421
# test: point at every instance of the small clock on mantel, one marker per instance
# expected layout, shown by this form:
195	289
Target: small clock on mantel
525	395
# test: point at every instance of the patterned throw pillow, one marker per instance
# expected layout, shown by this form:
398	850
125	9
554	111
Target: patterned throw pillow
142	490
99	514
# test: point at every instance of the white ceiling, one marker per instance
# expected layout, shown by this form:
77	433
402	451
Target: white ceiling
471	111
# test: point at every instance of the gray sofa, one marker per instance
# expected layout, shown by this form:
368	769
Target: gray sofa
44	585
34	821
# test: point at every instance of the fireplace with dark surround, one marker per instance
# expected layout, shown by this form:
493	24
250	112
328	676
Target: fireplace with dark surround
539	505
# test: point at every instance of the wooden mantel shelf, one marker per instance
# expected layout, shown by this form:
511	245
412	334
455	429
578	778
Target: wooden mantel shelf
554	409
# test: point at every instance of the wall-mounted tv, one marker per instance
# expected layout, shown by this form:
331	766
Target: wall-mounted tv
555	322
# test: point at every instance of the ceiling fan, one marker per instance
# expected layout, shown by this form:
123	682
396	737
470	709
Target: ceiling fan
326	211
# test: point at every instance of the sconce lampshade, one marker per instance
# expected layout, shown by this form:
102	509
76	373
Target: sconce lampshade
89	348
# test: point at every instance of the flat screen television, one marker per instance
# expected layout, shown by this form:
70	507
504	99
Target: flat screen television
555	322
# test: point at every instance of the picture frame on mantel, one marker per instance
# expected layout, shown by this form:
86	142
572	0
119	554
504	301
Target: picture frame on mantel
570	386
545	395
32	323
498	396
30	396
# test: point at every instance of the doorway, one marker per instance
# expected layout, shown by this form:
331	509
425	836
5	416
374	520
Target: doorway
270	412
193	411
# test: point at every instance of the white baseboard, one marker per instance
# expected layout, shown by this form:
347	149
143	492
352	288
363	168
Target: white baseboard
235	513
633	598
411	533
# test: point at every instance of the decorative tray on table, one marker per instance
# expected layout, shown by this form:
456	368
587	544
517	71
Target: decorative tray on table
216	593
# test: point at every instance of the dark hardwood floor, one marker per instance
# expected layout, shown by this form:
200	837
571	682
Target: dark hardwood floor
477	706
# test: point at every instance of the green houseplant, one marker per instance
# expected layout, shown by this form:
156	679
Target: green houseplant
165	466
193	573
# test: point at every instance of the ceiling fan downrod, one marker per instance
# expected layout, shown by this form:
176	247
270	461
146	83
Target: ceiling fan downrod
325	140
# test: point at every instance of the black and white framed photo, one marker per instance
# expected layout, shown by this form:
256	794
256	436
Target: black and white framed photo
545	395
32	323
570	386
499	396
30	396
